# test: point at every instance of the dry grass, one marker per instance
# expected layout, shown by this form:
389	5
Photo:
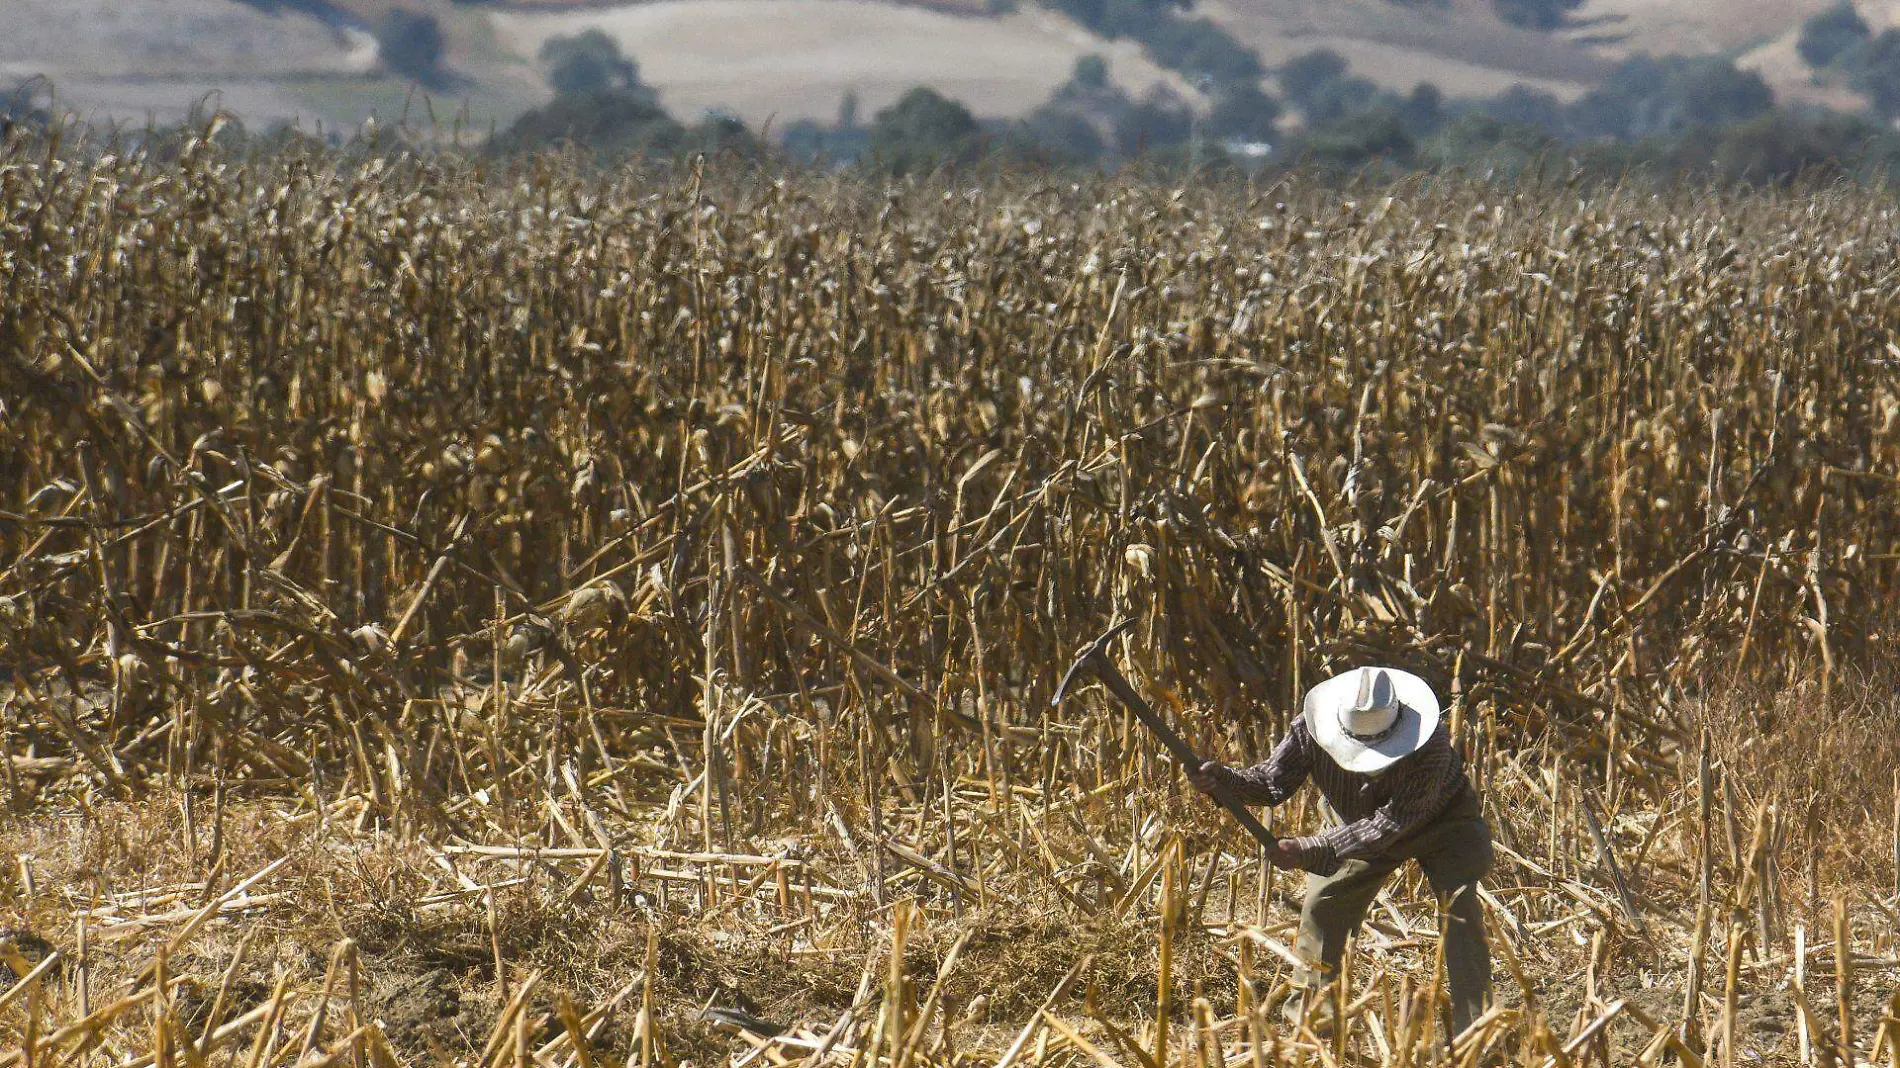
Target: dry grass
448	612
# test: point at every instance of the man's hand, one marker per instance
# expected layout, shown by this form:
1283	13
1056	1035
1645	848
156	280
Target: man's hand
1306	854
1286	853
1211	777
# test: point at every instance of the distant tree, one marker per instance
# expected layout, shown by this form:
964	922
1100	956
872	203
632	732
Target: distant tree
1878	75
1319	85
807	140
1522	106
1092	14
611	122
589	62
1244	113
1714	92
1068	128
1307	75
1090	72
1090	89
1158	122
922	130
1423	110
1780	148
848	110
24	106
1663	97
1536	14
1619	107
1832	35
811	141
412	44
1362	138
723	135
1118	18
1342	98
1487	144
1055	135
1196	47
1199	48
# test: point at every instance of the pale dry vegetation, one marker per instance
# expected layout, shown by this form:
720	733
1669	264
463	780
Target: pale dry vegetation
490	617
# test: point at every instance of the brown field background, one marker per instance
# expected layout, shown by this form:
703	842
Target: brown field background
491	614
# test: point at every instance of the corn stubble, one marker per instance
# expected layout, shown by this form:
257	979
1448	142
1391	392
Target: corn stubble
543	617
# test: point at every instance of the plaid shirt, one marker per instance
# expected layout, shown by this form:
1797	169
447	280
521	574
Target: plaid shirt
1377	810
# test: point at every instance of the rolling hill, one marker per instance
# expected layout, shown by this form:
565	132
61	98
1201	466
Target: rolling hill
787	59
781	60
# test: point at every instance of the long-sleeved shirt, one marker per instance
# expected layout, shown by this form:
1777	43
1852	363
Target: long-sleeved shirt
1376	810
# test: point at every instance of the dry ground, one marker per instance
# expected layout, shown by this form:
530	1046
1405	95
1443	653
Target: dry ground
427	926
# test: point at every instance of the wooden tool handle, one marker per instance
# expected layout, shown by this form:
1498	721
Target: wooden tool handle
1118	685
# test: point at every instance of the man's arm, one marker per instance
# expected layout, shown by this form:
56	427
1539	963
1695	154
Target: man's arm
1273	780
1428	782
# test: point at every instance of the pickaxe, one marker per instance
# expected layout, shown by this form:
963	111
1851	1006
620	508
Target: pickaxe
1094	656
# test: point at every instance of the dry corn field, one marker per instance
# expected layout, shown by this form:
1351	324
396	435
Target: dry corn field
511	615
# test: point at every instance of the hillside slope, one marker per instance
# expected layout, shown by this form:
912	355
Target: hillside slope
792	58
783	60
789	59
1462	47
1466	50
1621	27
130	59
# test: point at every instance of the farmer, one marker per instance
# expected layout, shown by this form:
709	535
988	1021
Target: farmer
1372	742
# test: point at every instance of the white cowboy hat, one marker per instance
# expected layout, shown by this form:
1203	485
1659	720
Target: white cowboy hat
1370	717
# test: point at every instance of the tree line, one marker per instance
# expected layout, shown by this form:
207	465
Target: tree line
1665	115
1668	114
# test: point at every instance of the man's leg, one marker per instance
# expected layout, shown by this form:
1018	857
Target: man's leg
1457	854
1335	904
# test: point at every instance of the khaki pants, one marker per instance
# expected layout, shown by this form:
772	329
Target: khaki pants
1455	851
